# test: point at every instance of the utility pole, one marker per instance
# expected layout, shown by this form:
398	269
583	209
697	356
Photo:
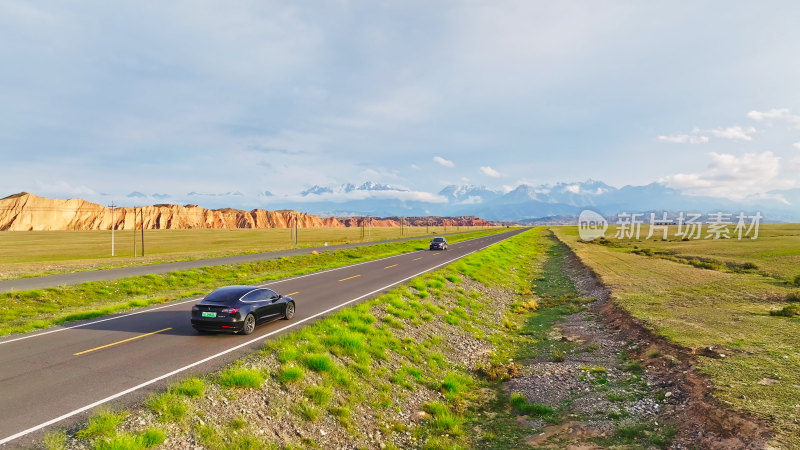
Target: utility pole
296	238
141	211
134	231
401	226
112	206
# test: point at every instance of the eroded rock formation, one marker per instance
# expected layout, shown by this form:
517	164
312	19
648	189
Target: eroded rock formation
28	212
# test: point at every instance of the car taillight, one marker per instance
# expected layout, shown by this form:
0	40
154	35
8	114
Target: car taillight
230	310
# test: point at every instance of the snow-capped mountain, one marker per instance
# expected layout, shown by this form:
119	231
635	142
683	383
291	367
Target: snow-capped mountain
528	202
564	199
350	187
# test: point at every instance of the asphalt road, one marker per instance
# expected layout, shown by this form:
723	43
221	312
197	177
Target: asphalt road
46	281
57	376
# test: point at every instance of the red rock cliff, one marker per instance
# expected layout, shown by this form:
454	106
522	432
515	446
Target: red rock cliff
28	212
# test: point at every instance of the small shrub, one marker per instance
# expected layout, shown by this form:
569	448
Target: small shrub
56	440
499	372
787	311
654	353
558	355
616	398
793	297
290	374
523	307
241	377
796	281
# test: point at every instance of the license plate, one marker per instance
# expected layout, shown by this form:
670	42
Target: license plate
209	314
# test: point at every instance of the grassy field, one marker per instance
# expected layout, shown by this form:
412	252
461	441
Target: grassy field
23	311
26	253
355	377
721	295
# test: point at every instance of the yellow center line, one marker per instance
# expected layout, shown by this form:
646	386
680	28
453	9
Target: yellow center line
417	259
120	342
350	278
293	293
393	265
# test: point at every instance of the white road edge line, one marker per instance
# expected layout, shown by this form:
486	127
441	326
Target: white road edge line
224	352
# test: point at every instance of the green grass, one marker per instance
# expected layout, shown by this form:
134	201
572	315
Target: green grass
192	387
23	311
241	378
351	361
735	312
318	395
150	438
308	412
318	362
291	374
528	408
169	407
102	423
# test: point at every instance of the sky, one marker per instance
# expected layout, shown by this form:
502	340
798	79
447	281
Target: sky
228	100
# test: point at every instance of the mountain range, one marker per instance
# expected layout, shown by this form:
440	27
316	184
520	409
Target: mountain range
524	202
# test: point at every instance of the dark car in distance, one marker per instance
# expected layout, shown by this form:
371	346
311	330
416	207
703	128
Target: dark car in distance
439	243
238	309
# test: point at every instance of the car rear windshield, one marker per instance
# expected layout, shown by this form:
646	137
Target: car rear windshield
438	239
224	296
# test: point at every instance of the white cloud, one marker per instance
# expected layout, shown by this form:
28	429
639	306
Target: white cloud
488	171
796	145
443	162
573	188
732	176
735	133
415	167
59	189
684	139
775	115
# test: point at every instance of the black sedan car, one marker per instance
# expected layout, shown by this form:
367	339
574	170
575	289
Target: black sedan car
439	243
238	309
